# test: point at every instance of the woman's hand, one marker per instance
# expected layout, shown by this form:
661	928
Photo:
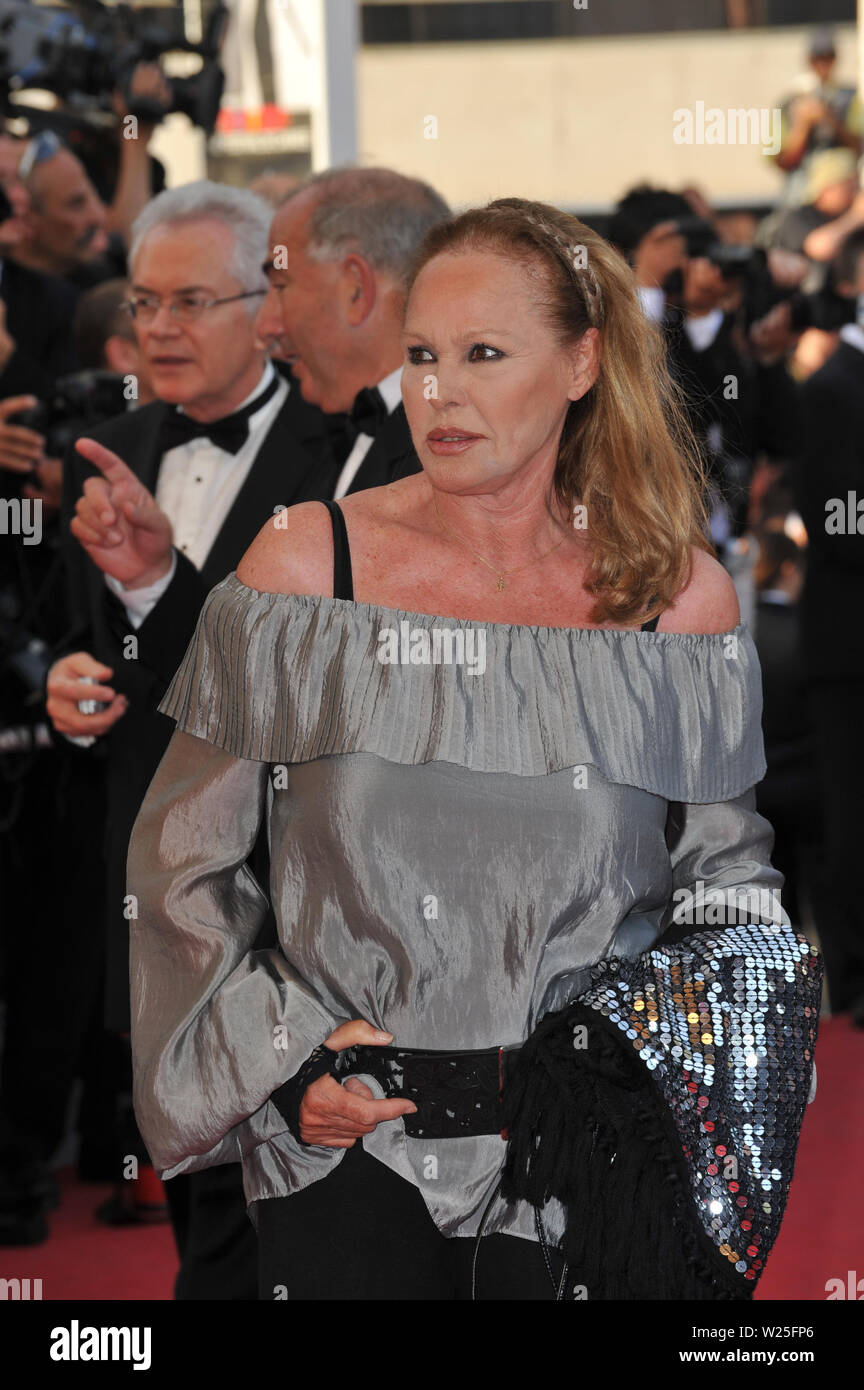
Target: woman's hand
337	1115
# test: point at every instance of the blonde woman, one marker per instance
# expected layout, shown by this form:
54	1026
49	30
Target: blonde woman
501	722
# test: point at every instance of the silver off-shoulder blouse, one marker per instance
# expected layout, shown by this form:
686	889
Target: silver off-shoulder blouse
462	818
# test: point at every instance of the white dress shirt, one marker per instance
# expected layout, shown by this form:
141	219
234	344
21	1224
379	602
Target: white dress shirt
703	329
197	485
853	334
391	390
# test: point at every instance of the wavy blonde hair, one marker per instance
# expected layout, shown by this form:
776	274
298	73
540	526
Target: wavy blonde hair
626	453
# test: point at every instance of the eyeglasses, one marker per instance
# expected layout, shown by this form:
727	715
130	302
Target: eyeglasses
186	308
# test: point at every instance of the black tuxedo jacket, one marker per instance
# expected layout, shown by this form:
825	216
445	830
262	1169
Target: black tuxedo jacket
293	465
390	456
786	718
759	416
831	465
39	312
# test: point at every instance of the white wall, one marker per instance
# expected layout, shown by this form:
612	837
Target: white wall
571	121
575	120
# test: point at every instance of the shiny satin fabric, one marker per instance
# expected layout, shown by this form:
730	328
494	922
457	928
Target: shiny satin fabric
440	897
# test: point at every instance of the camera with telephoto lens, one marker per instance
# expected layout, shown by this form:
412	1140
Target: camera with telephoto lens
25	659
733	262
84	54
25	655
76	403
823	308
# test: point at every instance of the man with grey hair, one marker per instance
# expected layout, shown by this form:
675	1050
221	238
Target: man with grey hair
342	245
170	496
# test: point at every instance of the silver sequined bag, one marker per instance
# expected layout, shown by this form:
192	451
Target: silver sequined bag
663	1108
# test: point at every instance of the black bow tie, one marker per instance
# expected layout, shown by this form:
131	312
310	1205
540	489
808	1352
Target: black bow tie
230	433
369	411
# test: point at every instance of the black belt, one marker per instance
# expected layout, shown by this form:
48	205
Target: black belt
457	1094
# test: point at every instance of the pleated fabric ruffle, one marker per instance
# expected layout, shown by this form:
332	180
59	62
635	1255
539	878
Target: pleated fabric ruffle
286	678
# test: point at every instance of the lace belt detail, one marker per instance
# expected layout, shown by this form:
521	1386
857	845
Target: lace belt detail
457	1094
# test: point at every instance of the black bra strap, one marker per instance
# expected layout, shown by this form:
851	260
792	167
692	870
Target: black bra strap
651	623
343	581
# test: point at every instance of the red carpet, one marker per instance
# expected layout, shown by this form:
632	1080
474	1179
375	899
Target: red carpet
822	1236
84	1259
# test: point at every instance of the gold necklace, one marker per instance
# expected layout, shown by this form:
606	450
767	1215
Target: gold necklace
500	574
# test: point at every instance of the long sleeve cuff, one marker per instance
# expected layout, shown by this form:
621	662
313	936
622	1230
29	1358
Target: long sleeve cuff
721	870
139	602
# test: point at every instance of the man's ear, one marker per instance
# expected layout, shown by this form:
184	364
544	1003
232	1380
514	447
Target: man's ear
585	363
361	288
30	222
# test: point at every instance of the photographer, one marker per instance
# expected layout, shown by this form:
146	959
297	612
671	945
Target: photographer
47	792
828	478
105	338
832	209
107	93
103	333
66	229
820	115
50	961
739	395
35	309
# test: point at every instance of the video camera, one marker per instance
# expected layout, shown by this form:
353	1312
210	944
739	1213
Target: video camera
703	243
84	54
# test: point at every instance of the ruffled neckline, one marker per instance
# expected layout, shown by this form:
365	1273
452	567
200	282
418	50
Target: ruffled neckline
348	604
289	678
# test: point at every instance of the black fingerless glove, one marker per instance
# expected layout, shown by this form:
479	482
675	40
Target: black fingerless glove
289	1096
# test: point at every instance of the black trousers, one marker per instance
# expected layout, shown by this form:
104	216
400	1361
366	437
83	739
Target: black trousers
215	1239
837	708
364	1233
51	948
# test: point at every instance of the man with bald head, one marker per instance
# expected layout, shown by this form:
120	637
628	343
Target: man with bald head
342	245
67	222
35	310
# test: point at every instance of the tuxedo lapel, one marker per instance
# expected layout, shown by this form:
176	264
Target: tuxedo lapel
391	454
143	453
282	473
305	422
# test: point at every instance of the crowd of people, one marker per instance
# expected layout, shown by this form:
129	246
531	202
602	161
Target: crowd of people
227	354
